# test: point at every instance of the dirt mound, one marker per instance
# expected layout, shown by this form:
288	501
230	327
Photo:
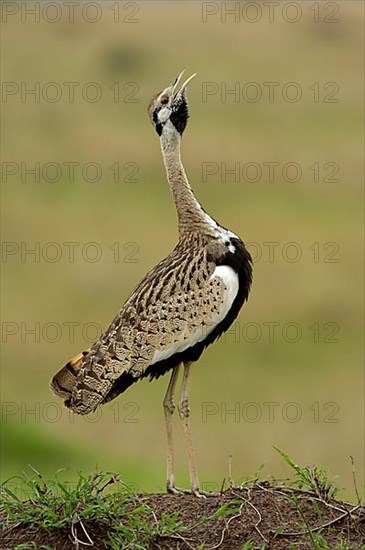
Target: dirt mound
262	516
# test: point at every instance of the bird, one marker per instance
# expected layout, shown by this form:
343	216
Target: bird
180	307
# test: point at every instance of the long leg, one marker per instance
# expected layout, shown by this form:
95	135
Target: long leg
184	415
169	407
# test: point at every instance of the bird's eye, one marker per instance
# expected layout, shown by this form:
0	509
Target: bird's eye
164	99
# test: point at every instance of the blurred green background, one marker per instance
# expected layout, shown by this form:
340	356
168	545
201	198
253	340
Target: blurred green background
317	380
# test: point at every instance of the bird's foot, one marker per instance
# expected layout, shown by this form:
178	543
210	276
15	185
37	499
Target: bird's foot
178	491
198	492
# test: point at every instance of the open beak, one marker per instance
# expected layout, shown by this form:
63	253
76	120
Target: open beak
174	86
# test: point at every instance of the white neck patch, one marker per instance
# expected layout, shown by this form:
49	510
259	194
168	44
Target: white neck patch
164	114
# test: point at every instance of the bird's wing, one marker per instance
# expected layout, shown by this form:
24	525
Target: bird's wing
174	307
176	322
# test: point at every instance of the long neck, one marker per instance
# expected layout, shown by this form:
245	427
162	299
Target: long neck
191	216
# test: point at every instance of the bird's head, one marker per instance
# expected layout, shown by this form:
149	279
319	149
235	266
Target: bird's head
170	106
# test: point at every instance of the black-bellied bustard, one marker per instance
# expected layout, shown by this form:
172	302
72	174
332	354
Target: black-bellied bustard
181	306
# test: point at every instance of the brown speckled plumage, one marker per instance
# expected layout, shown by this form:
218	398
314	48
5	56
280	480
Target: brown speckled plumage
177	296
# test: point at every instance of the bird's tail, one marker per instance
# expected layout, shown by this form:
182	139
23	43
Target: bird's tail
64	381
